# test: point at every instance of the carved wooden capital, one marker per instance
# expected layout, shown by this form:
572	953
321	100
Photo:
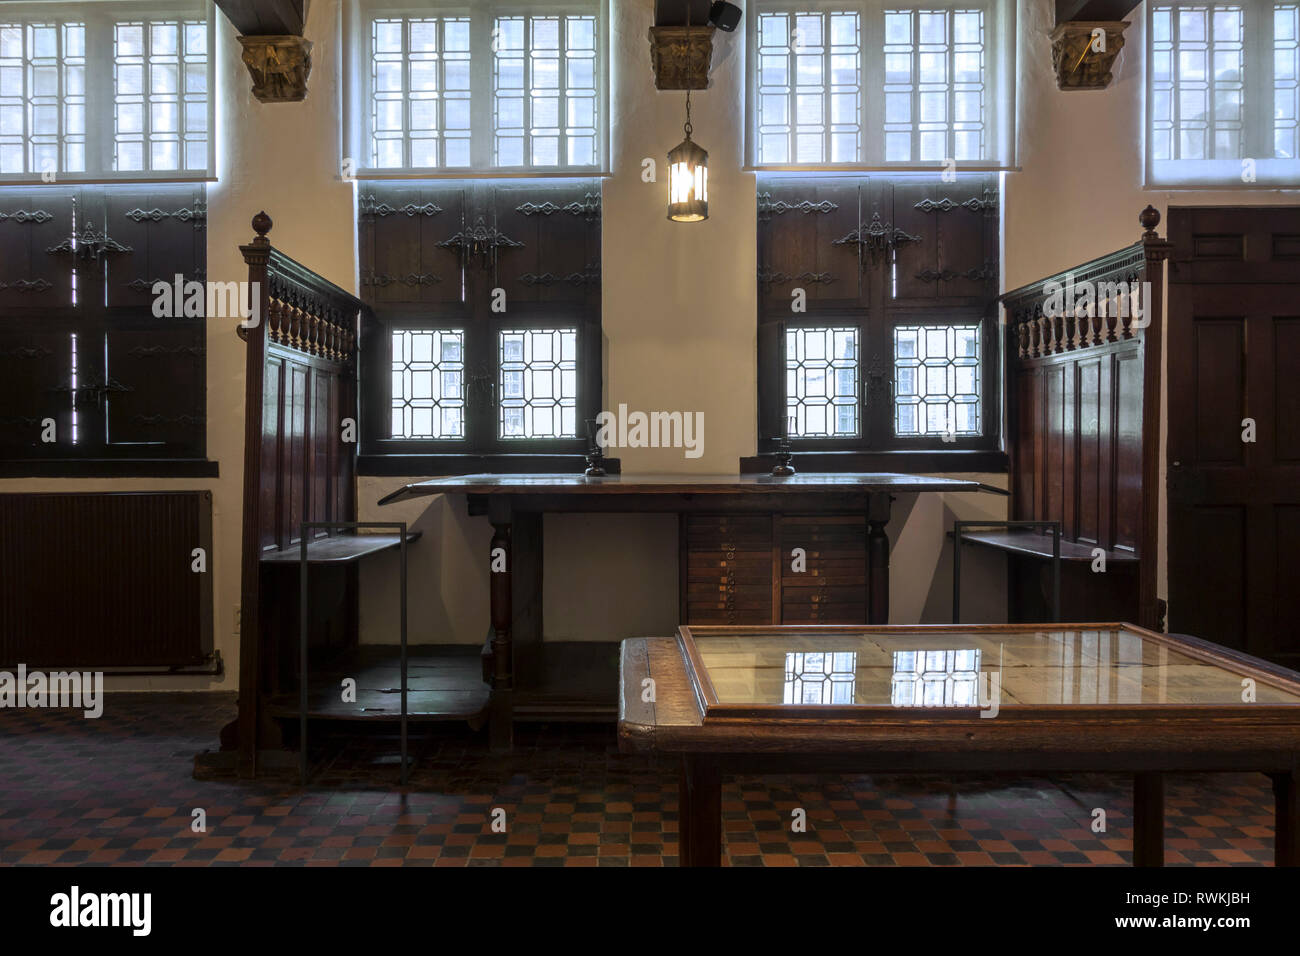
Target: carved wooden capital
1083	52
681	57
279	66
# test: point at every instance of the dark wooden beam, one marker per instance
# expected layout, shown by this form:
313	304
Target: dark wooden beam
266	17
1098	10
672	13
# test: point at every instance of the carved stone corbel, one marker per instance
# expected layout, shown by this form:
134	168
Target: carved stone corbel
279	66
681	57
1083	52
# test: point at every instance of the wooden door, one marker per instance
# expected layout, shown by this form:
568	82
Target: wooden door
1233	455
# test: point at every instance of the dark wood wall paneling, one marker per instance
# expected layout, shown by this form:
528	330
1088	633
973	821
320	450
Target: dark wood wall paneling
1084	432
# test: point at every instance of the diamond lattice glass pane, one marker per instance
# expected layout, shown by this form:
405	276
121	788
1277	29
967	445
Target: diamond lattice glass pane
428	383
538	382
937	381
822	376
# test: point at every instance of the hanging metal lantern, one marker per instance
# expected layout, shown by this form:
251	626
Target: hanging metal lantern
688	177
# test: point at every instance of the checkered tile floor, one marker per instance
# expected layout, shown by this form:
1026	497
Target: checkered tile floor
120	790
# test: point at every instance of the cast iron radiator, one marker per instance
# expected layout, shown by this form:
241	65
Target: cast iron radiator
105	580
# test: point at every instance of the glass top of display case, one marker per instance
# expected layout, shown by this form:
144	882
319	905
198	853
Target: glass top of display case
817	670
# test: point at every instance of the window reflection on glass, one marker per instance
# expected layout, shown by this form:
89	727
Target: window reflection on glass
947	678
820	678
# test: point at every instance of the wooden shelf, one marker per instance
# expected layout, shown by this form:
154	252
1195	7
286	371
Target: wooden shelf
1034	545
444	682
340	549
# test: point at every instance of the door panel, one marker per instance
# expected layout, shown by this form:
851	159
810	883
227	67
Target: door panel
1233	497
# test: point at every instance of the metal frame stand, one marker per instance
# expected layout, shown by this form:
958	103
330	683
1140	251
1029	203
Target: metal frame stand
304	528
959	526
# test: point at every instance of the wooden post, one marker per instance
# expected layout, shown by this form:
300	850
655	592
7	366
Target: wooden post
501	725
257	254
878	559
1148	819
1286	822
699	813
1155	252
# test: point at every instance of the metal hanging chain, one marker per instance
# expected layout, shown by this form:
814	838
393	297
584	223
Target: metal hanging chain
688	128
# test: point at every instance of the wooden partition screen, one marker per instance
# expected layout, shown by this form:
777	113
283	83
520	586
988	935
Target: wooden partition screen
1083	424
299	454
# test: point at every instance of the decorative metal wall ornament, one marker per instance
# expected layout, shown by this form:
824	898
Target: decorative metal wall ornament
27	286
369	205
198	214
166	420
22	216
877	374
876	237
99	390
279	66
588	207
480	240
89	244
688	177
1079	65
767	209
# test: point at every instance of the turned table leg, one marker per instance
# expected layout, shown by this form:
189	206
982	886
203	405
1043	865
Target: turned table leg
878	560
1286	839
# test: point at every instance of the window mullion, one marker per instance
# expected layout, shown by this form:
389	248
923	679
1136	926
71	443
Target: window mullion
101	115
871	70
482	78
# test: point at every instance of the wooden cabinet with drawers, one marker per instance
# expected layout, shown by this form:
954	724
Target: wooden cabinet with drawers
773	569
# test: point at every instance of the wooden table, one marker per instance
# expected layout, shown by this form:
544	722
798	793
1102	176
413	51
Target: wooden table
514	504
1075	697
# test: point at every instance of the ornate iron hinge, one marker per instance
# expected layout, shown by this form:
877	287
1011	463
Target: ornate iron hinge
197	215
370	207
27	285
767	209
22	216
588	276
588	207
983	274
413	280
769	277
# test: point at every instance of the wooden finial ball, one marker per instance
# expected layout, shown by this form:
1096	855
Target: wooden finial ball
262	224
1150	218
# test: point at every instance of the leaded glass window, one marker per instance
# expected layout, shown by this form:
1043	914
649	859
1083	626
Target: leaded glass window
868	83
106	92
822	373
428	383
937	380
538	383
481	86
1223	93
